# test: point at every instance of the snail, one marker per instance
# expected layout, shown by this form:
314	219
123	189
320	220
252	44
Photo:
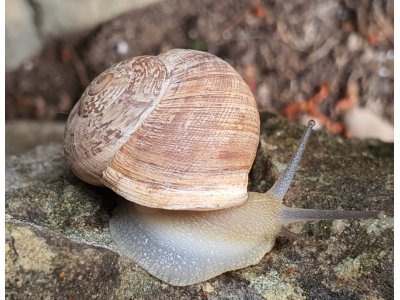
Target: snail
176	135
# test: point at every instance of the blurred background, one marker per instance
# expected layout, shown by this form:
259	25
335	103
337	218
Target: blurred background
330	60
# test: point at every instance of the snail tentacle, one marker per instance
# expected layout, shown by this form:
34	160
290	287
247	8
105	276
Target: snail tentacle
289	215
281	186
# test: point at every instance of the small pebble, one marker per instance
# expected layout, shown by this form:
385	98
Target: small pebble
354	42
227	35
122	47
383	72
208	288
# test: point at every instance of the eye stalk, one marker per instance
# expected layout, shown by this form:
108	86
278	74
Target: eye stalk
281	186
292	215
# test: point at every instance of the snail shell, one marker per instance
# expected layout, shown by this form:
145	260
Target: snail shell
175	131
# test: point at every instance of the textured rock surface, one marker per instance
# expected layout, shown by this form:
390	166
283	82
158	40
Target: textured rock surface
58	243
22	136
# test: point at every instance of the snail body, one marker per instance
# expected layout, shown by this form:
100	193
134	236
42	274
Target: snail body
186	247
176	135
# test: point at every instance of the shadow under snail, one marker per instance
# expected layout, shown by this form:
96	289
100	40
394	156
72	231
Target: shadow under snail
176	135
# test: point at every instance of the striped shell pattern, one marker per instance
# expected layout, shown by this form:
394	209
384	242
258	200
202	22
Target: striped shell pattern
175	131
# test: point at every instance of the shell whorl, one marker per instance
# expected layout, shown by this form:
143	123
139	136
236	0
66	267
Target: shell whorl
110	110
107	87
194	139
103	91
100	84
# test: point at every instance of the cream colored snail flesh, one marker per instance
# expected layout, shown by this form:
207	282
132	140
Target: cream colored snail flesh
176	135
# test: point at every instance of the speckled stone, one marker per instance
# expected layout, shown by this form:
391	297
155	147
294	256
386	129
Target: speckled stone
58	243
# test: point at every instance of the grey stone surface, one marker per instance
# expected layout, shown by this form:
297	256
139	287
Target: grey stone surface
21	38
61	17
24	135
58	243
30	22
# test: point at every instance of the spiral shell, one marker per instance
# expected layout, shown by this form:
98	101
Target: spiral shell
176	131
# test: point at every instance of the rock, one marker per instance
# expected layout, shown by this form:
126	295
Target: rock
58	243
22	40
355	42
24	135
29	21
61	17
365	123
